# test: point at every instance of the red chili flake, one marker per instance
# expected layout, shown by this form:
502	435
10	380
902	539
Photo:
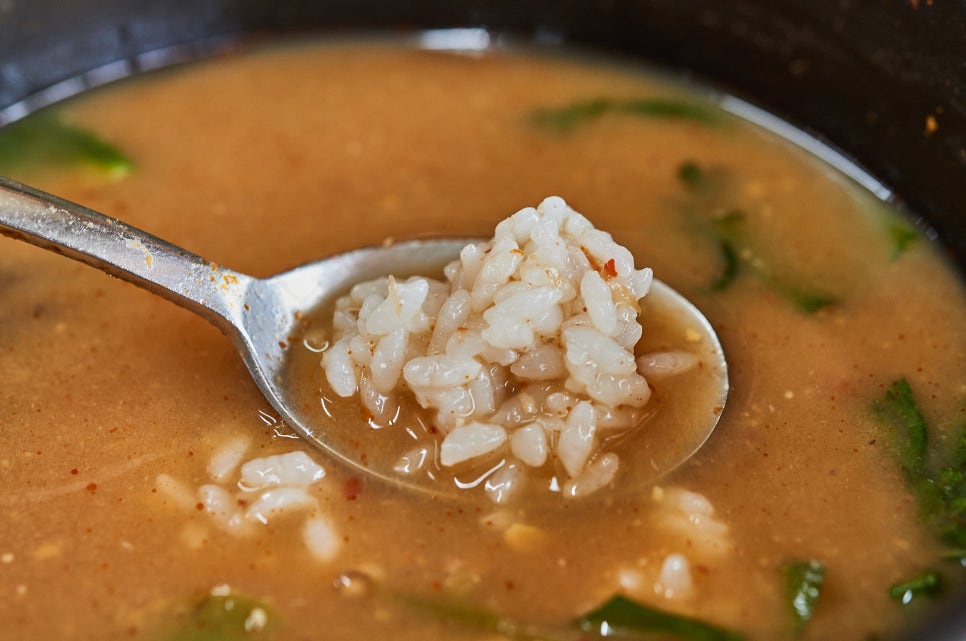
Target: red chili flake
199	506
352	488
282	345
75	471
610	268
91	487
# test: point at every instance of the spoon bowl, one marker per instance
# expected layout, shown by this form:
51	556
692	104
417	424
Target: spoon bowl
264	317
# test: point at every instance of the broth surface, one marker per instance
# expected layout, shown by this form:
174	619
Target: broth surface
268	160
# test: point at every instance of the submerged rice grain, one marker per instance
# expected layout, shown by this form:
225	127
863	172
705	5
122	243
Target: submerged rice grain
268	488
228	457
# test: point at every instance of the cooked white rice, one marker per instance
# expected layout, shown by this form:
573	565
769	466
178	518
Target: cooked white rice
267	488
692	517
525	353
675	580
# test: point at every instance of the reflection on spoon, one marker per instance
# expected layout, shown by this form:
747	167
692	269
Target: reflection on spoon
263	316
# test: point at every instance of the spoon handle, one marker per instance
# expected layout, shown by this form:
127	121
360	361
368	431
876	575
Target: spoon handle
126	252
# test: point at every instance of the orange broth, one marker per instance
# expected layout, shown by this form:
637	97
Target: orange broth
266	160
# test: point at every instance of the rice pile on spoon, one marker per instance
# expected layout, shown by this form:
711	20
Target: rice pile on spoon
524	355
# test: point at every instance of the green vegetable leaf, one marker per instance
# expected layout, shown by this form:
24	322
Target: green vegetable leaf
691	175
711	192
950	524
952	485
479	618
669	108
725	230
803	585
927	584
902	235
226	617
729	224
958	458
806	300
47	139
569	117
710	186
729	266
940	489
730	228
621	617
899	411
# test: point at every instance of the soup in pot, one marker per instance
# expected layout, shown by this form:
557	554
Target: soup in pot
152	493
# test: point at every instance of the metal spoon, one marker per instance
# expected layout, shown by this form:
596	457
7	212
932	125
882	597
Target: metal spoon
261	316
